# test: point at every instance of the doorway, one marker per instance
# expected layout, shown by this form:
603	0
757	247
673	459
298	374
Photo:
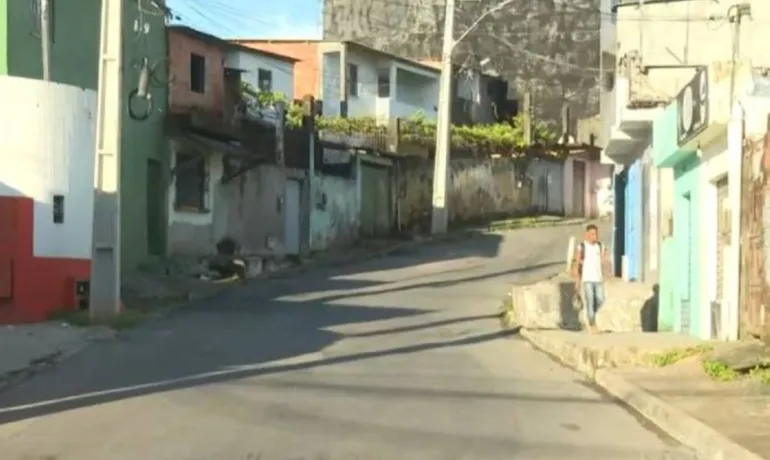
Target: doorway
156	227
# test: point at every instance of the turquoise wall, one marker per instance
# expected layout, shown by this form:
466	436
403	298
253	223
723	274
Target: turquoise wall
679	277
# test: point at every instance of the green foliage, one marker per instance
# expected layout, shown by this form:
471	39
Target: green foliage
503	138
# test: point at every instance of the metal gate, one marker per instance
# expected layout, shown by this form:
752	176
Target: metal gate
723	235
291	217
579	188
376	210
634	223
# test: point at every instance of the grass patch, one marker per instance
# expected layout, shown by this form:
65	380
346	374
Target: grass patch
719	371
761	373
127	319
678	354
507	314
532	222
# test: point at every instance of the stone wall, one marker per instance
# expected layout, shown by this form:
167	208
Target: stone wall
478	189
551	44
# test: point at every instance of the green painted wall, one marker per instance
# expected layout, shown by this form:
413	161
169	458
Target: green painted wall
663	144
75	61
673	285
3	37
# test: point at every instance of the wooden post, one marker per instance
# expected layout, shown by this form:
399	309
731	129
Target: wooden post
280	126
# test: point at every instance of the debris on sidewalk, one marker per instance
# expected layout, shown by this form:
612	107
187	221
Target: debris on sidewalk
33	347
682	384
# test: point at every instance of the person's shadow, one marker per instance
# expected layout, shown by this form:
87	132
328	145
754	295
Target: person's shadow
649	312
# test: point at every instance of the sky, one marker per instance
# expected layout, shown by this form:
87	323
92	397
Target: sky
251	18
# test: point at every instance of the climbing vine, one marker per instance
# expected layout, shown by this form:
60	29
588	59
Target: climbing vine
502	137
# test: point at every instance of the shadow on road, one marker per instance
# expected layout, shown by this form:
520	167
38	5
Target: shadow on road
250	331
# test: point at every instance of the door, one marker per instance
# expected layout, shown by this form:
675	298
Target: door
619	222
156	193
685	245
634	220
291	216
375	200
723	235
579	188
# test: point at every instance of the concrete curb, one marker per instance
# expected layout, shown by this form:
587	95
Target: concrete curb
705	441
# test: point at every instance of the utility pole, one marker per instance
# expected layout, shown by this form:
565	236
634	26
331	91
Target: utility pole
104	296
45	37
439	217
440	213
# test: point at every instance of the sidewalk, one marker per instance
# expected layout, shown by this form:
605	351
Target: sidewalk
662	376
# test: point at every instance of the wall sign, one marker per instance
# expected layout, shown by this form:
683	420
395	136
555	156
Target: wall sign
693	107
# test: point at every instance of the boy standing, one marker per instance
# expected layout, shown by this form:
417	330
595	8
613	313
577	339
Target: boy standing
590	262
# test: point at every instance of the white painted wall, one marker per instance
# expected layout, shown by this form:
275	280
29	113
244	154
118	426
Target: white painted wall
215	172
47	148
405	99
251	62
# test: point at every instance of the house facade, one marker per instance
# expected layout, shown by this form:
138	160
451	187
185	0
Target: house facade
672	112
228	178
74	61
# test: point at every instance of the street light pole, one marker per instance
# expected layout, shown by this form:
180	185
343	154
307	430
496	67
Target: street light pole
45	37
439	218
104	295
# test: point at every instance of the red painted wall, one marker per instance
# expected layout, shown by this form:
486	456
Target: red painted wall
40	285
307	76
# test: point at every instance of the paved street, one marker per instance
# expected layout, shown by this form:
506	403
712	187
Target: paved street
396	359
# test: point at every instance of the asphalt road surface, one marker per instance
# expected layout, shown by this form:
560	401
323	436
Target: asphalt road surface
399	358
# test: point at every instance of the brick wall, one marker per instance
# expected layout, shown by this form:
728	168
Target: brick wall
181	98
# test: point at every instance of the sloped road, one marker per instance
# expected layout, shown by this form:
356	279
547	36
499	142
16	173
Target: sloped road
398	358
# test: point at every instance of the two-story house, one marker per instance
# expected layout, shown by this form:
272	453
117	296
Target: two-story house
384	85
676	76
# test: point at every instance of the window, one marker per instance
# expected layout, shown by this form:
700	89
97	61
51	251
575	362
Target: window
190	183
37	20
352	80
383	86
58	209
197	73
265	78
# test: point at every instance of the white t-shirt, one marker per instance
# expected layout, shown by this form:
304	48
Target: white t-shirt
592	263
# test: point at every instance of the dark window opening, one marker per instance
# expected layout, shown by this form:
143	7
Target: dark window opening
197	73
190	183
58	209
265	78
383	86
352	80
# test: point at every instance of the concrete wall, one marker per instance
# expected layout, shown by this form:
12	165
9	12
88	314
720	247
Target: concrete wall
47	151
658	43
336	217
250	209
282	70
598	197
307	74
477	189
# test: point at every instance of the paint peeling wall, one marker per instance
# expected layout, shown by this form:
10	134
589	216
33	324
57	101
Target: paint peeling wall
335	220
249	209
477	189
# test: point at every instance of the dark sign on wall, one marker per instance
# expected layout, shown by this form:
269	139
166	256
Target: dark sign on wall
693	107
